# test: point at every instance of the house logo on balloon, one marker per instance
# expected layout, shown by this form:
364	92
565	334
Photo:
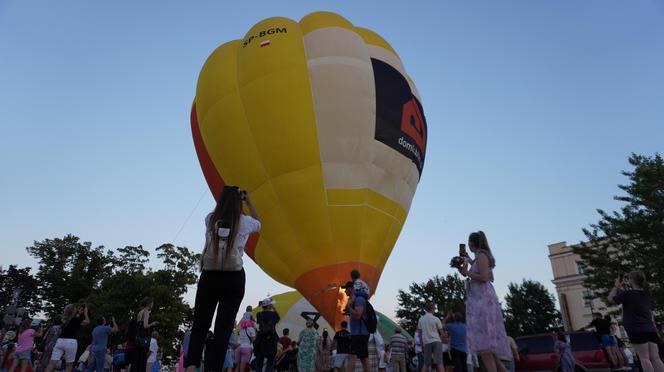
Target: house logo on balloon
326	131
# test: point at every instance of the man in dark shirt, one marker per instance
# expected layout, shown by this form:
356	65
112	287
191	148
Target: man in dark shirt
603	333
341	343
267	338
602	326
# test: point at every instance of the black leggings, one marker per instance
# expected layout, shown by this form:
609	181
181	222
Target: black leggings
459	360
140	359
225	288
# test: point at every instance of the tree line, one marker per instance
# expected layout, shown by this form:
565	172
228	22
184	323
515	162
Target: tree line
528	307
621	241
110	282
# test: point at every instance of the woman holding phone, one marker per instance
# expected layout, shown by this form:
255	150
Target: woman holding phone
485	335
638	319
222	277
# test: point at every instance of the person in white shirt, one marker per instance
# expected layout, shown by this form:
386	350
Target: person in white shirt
430	329
221	285
154	347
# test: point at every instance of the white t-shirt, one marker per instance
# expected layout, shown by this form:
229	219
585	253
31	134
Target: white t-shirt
245	334
247	226
153	351
430	326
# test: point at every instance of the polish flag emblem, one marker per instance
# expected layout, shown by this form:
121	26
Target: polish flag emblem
265	43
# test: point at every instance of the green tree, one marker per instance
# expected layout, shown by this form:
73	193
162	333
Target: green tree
120	292
114	283
69	271
20	278
530	308
633	237
446	292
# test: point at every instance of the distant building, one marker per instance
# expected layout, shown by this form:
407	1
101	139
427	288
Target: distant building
577	303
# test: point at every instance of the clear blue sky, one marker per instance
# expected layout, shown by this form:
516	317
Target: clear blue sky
533	108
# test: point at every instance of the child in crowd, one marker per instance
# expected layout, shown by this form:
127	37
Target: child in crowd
248	313
360	286
629	356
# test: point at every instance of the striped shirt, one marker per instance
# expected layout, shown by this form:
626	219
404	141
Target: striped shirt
398	344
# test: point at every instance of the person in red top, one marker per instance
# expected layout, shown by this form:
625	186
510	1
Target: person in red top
284	340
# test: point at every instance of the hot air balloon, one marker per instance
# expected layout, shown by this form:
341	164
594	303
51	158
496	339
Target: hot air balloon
319	121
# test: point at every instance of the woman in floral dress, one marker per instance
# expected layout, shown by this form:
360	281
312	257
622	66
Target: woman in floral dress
307	346
484	319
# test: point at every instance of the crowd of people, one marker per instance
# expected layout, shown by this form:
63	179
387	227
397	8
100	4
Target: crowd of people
456	343
221	288
29	348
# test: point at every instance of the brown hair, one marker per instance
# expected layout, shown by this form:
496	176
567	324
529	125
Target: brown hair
68	313
25	325
639	278
478	239
225	215
146	301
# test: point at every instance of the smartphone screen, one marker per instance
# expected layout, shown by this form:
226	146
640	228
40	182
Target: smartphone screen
462	249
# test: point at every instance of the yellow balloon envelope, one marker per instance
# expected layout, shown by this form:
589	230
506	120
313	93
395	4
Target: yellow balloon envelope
318	120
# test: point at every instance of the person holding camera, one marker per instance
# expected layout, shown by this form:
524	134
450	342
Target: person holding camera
222	278
638	319
67	344
485	334
141	349
100	343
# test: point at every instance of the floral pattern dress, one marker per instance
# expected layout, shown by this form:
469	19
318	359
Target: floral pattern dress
485	329
307	346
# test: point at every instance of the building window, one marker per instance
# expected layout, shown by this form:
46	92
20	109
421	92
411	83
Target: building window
580	268
588	297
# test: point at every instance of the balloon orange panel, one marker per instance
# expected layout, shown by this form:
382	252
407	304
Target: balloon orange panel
319	121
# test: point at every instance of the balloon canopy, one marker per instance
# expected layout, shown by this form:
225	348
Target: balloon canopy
295	310
320	123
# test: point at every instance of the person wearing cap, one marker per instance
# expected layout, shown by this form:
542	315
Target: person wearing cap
359	334
267	338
